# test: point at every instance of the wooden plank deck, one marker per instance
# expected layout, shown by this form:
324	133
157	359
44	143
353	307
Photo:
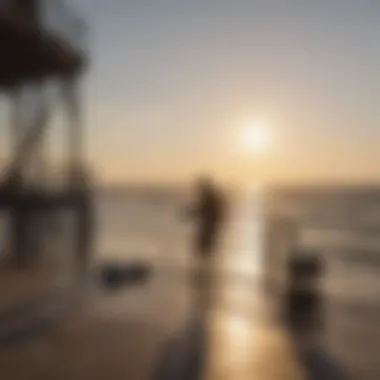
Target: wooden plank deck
156	332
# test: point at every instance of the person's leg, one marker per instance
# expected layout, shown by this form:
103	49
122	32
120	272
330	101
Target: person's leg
203	269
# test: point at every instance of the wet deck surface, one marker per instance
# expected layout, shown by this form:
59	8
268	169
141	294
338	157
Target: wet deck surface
162	330
173	327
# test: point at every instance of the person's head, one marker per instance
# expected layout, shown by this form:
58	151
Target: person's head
205	184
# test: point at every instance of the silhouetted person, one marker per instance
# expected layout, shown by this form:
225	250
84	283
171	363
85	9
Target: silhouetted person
208	214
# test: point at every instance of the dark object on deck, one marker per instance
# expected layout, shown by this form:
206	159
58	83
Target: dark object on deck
303	305
307	266
114	276
304	299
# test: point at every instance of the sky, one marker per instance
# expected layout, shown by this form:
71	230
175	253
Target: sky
172	83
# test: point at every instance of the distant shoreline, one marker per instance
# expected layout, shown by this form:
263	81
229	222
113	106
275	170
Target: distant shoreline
146	190
368	187
343	189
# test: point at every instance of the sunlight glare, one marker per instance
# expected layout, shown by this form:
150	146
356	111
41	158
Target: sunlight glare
254	137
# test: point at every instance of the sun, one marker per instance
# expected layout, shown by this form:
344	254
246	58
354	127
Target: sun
254	137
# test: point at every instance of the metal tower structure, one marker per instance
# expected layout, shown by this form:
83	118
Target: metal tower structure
42	48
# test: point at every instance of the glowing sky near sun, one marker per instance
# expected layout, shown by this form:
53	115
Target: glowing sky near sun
172	80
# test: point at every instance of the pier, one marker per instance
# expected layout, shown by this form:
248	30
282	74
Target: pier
38	60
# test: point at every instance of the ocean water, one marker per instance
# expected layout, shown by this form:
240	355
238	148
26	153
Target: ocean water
344	227
142	226
343	230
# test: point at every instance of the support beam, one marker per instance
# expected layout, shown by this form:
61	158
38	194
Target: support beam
75	125
25	148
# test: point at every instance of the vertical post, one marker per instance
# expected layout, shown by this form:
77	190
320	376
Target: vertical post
15	123
75	130
27	230
81	192
27	134
38	161
36	225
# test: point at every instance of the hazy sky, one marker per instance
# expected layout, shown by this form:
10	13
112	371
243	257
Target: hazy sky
172	81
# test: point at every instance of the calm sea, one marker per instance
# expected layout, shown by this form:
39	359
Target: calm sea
149	226
343	225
